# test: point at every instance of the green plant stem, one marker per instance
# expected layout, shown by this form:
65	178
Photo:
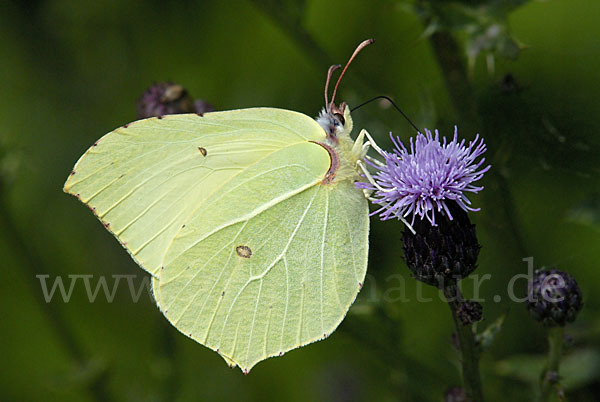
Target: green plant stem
468	347
550	375
447	52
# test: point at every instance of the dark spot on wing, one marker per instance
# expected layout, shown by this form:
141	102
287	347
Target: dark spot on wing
243	251
159	118
125	125
202	151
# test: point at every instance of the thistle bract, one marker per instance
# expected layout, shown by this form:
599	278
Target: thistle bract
441	255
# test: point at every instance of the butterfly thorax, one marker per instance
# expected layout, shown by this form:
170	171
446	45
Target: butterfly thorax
337	124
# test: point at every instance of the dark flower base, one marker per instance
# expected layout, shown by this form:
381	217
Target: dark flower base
442	255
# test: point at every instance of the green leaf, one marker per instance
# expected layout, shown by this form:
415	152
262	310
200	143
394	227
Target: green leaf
586	212
580	368
486	338
577	369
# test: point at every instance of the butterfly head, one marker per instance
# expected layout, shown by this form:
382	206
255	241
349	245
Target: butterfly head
336	122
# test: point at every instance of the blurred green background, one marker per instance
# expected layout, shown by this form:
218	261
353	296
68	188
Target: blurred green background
70	71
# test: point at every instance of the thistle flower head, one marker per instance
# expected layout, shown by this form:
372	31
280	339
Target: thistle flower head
554	298
420	181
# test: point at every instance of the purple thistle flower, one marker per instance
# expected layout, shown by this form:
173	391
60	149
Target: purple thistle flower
421	181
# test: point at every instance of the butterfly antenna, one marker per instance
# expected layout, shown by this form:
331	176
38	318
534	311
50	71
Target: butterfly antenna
329	73
358	49
393	104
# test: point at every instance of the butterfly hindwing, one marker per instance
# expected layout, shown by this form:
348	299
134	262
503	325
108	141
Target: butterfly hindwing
301	266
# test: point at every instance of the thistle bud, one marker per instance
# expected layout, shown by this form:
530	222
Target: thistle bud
469	312
442	255
164	98
554	298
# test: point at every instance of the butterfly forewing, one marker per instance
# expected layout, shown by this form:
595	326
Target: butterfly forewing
145	180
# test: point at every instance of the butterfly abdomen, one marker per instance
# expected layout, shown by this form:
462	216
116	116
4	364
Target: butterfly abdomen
334	163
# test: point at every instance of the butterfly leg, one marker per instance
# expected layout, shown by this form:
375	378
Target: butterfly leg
358	149
387	206
369	143
367	174
374	161
361	149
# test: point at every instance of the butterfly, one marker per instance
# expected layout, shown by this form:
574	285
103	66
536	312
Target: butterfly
249	220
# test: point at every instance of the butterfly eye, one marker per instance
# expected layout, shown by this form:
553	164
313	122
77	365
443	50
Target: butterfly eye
340	118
